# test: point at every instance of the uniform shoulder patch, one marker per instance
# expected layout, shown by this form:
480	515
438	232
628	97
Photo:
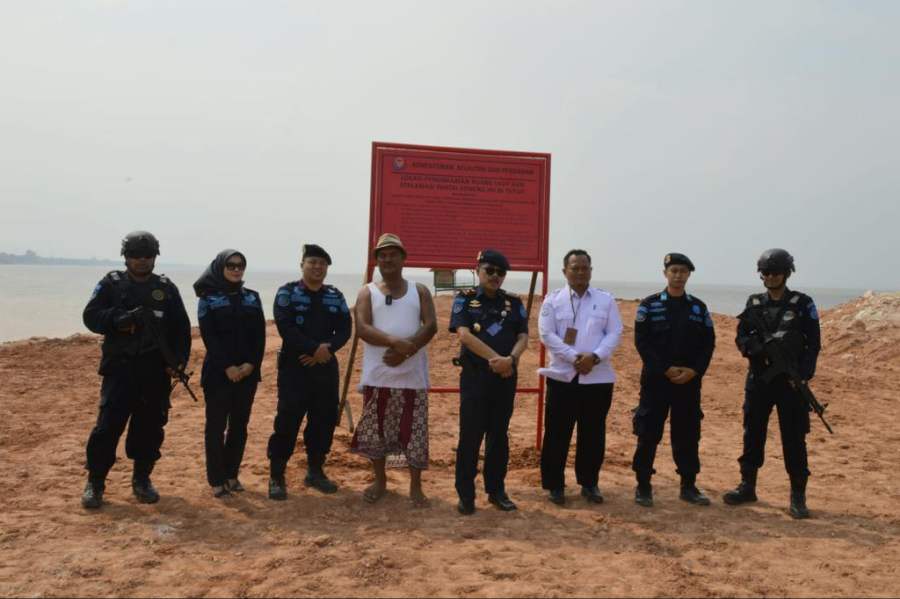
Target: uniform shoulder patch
811	309
459	303
96	290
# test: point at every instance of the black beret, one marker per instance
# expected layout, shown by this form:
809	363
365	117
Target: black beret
676	258
311	250
493	257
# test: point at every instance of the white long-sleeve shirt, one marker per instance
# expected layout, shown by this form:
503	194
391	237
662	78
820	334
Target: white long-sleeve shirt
599	330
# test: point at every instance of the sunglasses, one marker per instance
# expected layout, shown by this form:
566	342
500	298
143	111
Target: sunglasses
139	256
493	270
770	273
234	266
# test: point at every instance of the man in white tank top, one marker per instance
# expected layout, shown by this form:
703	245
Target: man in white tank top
395	320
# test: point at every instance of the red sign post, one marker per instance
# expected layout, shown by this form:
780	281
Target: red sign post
447	204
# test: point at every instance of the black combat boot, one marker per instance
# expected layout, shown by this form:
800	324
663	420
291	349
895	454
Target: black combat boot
140	482
277	484
92	498
643	493
799	510
315	476
502	502
690	492
745	491
466	507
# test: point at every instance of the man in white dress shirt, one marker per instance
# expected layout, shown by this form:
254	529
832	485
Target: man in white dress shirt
580	327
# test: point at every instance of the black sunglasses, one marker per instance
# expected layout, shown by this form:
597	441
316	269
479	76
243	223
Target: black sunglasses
138	256
770	273
235	266
493	270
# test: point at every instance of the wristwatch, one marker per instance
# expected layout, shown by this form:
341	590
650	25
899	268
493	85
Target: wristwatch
597	359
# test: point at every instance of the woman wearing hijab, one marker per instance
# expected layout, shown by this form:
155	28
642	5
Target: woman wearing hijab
233	328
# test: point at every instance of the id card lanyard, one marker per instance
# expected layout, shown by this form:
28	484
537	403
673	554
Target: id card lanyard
571	332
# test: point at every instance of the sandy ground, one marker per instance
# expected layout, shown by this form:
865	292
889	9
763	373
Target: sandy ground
192	544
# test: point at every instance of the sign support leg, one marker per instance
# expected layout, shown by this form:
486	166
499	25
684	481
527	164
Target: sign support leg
345	405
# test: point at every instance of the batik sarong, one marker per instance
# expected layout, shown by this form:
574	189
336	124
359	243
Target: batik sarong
393	426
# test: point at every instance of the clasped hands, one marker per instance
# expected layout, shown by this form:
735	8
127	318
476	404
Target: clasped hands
398	351
502	365
320	356
679	375
237	373
585	362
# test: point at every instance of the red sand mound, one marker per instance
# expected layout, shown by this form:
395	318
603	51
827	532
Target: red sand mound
193	544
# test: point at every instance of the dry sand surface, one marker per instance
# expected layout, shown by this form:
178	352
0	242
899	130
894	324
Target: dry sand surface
192	544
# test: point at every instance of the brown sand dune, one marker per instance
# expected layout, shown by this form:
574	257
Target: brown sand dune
193	544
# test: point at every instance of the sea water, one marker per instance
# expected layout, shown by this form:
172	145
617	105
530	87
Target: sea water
47	301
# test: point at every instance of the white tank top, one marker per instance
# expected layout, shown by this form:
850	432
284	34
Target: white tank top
401	319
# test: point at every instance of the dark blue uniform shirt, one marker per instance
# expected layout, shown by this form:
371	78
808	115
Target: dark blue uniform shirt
496	321
233	328
673	331
306	319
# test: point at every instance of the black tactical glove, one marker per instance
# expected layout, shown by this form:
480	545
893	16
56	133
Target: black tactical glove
126	319
754	347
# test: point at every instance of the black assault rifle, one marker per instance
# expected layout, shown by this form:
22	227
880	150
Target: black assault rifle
149	320
779	362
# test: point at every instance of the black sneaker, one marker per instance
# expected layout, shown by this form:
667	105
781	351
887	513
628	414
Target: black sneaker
466	507
643	495
557	496
320	482
277	489
692	494
233	485
502	502
592	494
92	498
144	491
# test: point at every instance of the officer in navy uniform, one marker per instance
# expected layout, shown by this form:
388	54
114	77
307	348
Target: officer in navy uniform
233	328
790	319
493	329
314	323
674	335
142	318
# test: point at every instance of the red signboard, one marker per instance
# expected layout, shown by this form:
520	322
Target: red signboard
447	204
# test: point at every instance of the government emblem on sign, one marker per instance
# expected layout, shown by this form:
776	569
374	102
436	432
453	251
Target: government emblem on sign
399	163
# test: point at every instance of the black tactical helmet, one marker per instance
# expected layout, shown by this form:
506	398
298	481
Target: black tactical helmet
776	260
140	242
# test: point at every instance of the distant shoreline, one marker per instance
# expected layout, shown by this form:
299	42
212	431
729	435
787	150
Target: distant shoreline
33	259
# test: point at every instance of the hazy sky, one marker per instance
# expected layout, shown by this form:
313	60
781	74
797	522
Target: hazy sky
713	128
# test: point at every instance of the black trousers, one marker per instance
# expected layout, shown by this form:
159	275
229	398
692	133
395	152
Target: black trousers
228	408
658	397
793	420
310	392
138	396
485	407
569	404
